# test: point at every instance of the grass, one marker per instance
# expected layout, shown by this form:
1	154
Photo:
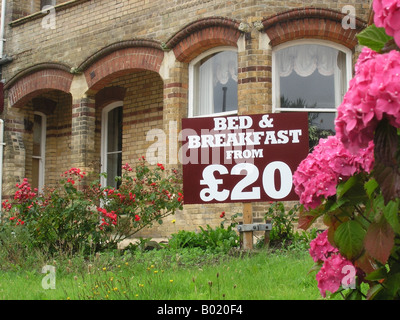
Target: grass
184	274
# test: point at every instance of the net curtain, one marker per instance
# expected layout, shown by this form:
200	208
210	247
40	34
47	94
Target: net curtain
305	59
220	69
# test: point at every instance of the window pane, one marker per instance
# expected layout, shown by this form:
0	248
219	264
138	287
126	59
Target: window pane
320	125
315	91
114	146
37	135
216	84
310	76
114	167
35	173
114	138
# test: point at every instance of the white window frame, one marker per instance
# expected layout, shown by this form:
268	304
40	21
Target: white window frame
104	140
193	85
42	158
275	77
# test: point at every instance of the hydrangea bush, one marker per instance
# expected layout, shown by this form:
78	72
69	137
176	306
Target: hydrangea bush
387	15
317	176
75	216
352	180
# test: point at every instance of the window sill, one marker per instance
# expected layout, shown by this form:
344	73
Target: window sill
220	114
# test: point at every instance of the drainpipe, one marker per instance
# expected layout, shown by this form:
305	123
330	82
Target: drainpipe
3	18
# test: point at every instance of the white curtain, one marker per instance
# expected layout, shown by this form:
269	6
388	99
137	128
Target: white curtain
225	65
220	68
206	90
305	59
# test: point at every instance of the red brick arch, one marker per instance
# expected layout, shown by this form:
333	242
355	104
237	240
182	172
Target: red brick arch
30	83
119	59
202	35
313	23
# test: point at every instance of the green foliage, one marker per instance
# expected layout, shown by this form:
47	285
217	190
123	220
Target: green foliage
219	238
283	234
373	37
349	237
366	231
282	222
213	239
184	239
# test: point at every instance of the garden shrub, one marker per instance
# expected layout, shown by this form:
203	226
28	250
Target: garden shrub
352	179
75	217
283	233
215	239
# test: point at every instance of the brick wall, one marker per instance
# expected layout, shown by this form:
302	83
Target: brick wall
139	52
95	24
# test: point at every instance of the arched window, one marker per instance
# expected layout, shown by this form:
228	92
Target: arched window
311	76
111	143
213	83
39	150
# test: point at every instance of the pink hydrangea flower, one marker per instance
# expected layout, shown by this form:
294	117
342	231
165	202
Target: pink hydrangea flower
320	248
365	55
331	274
317	176
387	15
374	94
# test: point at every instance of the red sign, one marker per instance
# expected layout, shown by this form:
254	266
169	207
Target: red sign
247	158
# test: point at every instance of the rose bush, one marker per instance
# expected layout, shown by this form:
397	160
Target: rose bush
74	216
352	180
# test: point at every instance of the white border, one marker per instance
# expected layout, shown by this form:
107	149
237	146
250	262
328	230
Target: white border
42	158
104	140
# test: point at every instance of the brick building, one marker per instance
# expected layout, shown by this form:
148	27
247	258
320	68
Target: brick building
86	82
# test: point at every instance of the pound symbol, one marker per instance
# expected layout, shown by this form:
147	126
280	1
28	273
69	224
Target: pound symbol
211	193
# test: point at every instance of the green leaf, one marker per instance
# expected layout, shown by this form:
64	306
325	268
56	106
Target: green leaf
352	190
377	275
342	188
374	291
374	38
335	204
391	288
370	186
354	295
391	213
307	218
349	238
379	240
